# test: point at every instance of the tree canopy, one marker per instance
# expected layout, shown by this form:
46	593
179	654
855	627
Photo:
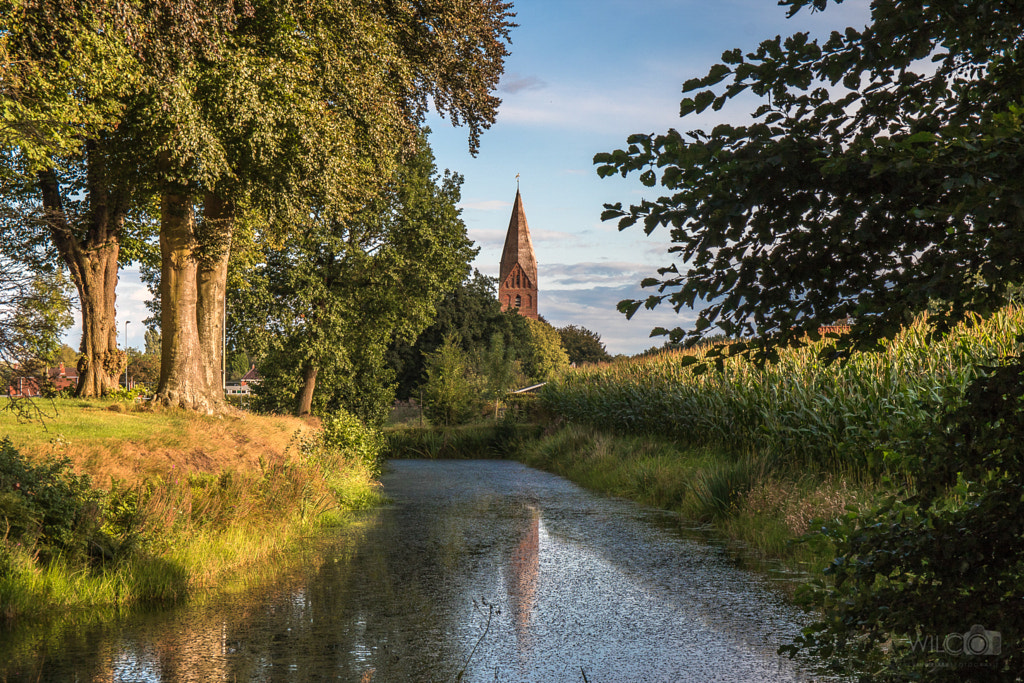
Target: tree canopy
267	110
583	345
469	313
321	308
878	178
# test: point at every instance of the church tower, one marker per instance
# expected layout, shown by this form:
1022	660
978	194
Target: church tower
517	281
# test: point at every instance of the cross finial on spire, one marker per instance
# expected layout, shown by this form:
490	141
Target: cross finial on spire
517	182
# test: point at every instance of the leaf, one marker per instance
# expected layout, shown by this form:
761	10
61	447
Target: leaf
629	307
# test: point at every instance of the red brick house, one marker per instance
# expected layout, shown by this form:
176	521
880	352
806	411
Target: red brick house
60	378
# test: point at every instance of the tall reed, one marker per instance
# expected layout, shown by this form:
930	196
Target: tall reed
800	411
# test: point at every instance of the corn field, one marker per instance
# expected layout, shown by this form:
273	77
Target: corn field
800	411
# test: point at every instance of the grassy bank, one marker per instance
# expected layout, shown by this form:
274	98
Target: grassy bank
739	495
108	505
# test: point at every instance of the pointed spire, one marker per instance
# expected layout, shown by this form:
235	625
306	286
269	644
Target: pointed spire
518	245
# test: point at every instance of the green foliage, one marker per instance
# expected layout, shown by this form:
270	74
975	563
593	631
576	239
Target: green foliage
238	365
335	295
858	415
878	175
545	359
490	439
948	555
498	369
143	369
45	506
583	345
878	179
123	394
472	313
451	392
153	342
344	434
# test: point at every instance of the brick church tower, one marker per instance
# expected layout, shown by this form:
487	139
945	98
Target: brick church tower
517	283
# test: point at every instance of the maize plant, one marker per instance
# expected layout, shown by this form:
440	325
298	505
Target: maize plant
801	411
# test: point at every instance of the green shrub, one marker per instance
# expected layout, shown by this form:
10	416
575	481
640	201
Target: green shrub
46	505
344	437
452	391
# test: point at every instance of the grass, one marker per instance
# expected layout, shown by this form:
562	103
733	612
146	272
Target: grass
739	495
184	505
490	439
108	439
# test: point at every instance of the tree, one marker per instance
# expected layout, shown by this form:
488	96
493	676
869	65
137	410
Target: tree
472	314
42	316
545	358
582	345
869	184
878	180
75	86
35	309
302	111
323	307
451	392
152	341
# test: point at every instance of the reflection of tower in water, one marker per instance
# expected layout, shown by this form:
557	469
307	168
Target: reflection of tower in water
521	577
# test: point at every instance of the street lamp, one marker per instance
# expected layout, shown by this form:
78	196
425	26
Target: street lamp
126	353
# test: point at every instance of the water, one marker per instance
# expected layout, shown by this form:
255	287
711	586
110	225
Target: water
479	571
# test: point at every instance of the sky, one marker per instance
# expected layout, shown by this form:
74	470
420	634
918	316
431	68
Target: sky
582	76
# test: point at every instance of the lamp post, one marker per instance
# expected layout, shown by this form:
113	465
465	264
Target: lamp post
126	353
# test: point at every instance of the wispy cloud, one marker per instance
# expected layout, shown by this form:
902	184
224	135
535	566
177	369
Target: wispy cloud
485	205
588	275
595	309
515	82
583	107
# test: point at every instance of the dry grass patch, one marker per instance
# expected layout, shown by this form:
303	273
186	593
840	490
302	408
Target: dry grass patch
798	504
140	442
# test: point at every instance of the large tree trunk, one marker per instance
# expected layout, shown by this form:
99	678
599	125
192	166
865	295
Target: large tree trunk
193	278
100	362
182	376
91	257
211	280
309	374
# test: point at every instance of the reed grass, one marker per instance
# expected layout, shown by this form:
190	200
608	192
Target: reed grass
802	411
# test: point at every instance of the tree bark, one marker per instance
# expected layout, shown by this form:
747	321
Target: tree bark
212	277
193	279
182	377
309	373
91	257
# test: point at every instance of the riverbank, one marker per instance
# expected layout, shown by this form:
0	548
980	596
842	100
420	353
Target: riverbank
109	505
740	496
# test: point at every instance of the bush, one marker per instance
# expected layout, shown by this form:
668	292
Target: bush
45	505
344	435
452	392
936	561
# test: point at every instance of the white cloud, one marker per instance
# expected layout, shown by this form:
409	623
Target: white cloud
595	309
485	205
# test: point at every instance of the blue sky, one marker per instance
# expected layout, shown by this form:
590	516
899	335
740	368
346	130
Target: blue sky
581	77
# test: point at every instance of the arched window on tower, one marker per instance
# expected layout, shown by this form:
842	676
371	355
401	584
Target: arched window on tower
519	301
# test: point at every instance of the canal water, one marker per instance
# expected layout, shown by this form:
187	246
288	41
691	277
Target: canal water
478	571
